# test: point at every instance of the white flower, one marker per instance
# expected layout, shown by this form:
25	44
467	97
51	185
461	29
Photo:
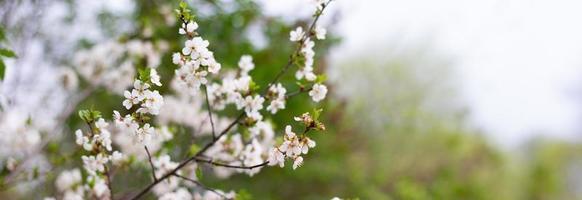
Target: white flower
94	164
252	105
152	103
291	145
336	198
298	162
214	68
139	86
276	105
296	34
101	124
246	64
155	78
279	90
318	92
145	133
188	28
320	33
276	158
131	98
81	139
307	73
177	59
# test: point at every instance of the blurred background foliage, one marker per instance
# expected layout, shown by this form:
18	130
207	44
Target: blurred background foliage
396	126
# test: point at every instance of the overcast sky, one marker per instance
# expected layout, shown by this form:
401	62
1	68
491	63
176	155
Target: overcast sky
520	61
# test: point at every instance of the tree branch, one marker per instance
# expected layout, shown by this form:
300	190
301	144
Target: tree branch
230	166
151	163
210	112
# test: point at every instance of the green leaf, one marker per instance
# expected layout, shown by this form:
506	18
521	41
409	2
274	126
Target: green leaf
2	34
198	173
243	194
321	78
144	74
7	53
89	115
2	69
183	5
316	113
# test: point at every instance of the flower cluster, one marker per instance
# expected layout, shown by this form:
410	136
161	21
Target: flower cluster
306	52
149	102
97	142
195	60
277	96
294	145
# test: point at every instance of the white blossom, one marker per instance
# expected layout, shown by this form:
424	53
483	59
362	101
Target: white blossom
94	164
318	92
296	34
276	157
298	161
188	28
246	64
155	78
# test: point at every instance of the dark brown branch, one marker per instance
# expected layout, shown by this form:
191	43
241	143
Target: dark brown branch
230	166
151	163
210	113
295	93
109	183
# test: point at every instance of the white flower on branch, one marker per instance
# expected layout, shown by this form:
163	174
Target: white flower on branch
277	93
144	134
297	162
252	106
318	92
188	28
296	34
276	157
94	164
155	78
246	64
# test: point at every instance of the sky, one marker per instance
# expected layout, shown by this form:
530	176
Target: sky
519	62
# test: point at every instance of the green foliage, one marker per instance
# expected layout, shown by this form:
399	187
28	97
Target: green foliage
4	53
90	115
243	194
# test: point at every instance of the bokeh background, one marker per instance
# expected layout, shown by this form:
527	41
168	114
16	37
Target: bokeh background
428	99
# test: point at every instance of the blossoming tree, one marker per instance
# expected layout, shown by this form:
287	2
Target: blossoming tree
227	110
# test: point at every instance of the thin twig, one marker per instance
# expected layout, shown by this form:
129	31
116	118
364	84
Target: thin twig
295	93
109	183
151	163
230	166
210	113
